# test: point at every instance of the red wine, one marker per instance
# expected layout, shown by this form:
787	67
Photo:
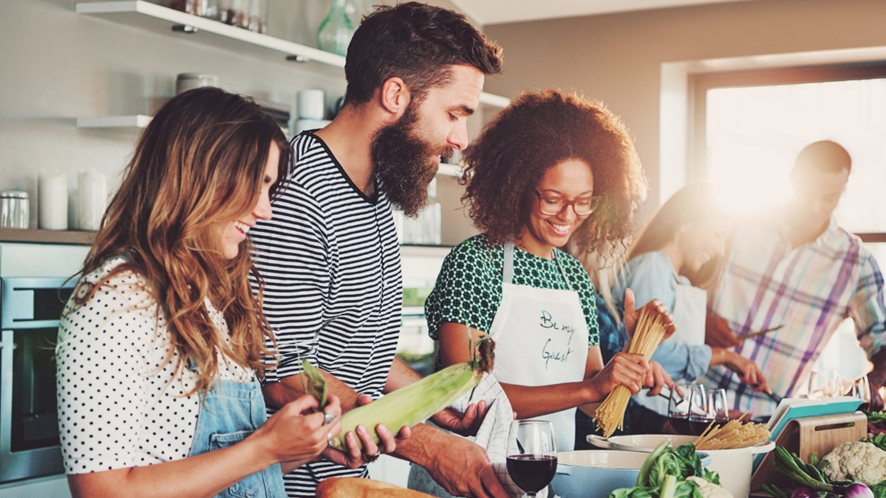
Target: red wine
532	472
681	425
698	425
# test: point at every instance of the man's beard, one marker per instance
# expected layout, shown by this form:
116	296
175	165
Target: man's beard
404	164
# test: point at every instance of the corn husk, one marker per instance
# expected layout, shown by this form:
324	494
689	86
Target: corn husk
417	402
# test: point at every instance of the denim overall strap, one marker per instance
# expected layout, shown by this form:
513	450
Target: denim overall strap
230	412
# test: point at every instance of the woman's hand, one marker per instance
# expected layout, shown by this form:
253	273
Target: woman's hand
632	316
624	369
355	456
747	371
291	434
657	378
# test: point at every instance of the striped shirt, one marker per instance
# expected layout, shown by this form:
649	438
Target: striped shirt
809	289
330	252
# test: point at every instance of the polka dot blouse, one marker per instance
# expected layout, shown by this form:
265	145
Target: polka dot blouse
117	406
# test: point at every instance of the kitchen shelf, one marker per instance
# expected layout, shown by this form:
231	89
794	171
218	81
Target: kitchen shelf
166	21
131	121
47	236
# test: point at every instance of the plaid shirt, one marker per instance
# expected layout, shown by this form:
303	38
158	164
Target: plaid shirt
810	289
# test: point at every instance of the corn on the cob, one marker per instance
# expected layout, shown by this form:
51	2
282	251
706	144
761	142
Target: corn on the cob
412	404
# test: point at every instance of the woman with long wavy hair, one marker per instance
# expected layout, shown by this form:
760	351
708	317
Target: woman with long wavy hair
676	258
161	342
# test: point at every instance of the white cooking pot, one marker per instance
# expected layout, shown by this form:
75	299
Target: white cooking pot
734	466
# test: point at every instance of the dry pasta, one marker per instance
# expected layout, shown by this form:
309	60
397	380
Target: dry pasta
648	334
732	434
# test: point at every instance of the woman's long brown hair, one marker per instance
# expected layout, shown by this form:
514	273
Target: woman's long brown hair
199	163
694	203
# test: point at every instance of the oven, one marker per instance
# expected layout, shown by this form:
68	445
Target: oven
30	308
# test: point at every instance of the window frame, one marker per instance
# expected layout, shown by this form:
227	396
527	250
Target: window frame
700	83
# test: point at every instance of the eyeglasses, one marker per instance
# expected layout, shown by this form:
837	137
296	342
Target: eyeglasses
553	206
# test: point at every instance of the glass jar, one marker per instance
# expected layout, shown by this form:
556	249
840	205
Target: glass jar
234	12
258	16
14	209
202	8
336	30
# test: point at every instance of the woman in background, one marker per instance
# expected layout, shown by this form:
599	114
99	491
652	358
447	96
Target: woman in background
675	259
160	344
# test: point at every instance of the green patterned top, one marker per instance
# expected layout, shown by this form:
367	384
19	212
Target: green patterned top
469	285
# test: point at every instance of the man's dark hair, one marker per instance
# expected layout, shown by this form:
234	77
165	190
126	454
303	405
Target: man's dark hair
824	156
415	42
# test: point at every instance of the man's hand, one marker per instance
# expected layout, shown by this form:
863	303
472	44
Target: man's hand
747	371
465	424
718	334
355	457
464	469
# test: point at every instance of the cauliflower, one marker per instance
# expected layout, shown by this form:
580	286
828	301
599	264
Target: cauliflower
709	489
863	461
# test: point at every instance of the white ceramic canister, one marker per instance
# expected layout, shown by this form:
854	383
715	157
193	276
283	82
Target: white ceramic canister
92	199
52	194
311	104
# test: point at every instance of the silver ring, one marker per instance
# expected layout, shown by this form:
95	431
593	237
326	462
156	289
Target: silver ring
328	418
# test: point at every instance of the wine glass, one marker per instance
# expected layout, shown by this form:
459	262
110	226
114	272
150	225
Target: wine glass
532	454
718	406
861	389
698	409
678	408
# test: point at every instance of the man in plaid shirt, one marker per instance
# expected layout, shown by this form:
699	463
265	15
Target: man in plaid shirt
799	269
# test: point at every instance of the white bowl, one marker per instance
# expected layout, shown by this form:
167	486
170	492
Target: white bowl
734	466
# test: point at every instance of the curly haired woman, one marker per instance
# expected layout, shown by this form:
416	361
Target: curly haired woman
550	167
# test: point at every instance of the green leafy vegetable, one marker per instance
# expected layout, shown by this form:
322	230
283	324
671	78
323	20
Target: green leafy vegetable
664	474
792	466
879	441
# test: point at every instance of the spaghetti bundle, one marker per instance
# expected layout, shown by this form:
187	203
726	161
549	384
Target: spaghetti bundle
732	434
649	333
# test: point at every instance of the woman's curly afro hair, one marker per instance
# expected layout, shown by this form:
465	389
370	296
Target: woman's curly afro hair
538	131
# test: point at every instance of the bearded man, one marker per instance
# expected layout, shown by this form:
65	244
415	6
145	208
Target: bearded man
414	74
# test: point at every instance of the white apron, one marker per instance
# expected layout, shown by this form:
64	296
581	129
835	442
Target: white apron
541	338
690	311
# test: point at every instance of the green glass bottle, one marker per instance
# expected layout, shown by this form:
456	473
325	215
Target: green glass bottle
336	30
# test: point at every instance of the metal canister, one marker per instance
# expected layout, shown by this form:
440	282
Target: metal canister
14	209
